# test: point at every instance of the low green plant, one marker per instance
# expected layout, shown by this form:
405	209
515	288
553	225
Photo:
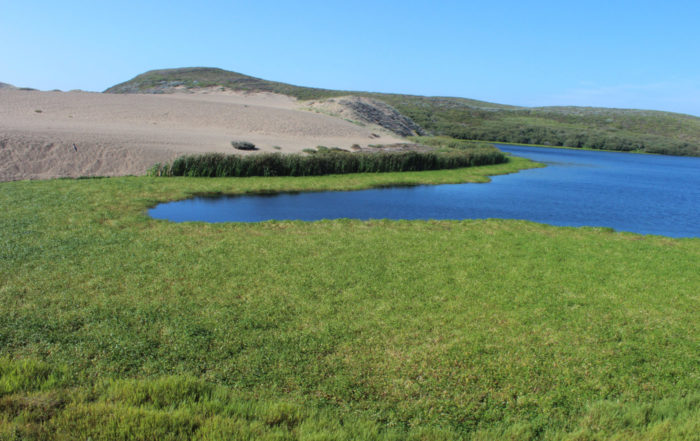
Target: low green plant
159	169
243	145
445	143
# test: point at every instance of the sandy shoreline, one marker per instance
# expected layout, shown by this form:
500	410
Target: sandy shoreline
125	134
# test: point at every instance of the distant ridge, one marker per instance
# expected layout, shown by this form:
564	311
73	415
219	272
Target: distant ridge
172	80
7	86
599	128
192	78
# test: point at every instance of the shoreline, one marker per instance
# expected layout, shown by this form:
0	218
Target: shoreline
640	152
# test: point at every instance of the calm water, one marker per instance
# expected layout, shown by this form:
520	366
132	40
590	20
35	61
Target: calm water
646	194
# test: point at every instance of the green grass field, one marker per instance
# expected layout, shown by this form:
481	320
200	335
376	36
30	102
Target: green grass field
117	326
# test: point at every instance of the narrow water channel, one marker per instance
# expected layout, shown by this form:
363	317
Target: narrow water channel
648	194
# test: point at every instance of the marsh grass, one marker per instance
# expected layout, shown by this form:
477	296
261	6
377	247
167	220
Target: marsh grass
117	326
324	161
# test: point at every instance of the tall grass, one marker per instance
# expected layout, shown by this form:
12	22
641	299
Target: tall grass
276	164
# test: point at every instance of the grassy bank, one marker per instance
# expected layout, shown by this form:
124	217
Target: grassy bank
116	326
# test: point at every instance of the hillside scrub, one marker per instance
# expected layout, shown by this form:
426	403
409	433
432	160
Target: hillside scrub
603	129
446	143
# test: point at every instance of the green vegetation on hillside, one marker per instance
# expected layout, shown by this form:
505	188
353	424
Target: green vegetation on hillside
117	326
447	144
161	81
326	162
609	129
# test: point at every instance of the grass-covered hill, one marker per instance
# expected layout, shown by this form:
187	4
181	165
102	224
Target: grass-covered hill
601	128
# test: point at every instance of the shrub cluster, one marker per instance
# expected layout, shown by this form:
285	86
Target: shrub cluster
276	164
445	143
243	145
592	138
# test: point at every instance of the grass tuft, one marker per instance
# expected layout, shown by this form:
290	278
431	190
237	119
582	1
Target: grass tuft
27	375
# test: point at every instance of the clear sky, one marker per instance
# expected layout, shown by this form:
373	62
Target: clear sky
629	54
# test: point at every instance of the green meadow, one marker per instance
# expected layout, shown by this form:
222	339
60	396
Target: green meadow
115	326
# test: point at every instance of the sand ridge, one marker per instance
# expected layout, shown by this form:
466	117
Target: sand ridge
118	134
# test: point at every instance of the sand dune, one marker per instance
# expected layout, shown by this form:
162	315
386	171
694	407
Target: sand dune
125	134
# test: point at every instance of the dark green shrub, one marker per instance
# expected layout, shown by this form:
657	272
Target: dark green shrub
243	145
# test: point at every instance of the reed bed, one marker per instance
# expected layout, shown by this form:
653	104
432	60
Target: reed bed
276	164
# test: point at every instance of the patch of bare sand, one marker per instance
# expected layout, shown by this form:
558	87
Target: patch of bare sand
125	134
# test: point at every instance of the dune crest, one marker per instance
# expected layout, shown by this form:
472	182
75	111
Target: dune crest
124	134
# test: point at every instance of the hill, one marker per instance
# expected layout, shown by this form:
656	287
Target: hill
600	128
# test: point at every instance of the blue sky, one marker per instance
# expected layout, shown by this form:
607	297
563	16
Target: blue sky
629	54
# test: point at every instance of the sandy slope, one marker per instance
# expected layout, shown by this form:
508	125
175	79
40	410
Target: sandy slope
126	134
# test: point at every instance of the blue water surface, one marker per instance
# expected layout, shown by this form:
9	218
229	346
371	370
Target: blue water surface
648	194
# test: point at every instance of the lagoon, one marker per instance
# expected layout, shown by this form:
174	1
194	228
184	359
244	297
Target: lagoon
647	194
